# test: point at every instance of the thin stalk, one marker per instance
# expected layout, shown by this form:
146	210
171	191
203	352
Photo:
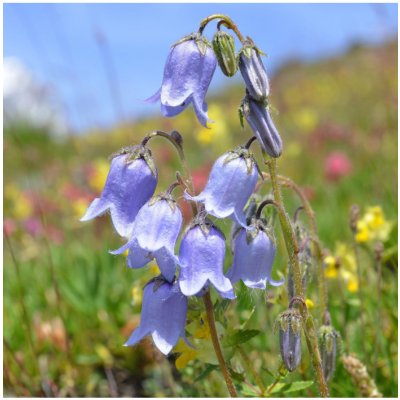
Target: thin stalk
227	22
322	285
275	382
378	265
250	367
217	347
292	248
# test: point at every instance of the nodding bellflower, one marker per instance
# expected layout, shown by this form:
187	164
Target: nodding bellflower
163	315
187	75
201	260
259	118
232	180
253	72
131	182
254	252
154	233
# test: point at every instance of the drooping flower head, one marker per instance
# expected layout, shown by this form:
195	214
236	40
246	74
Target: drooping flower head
130	183
163	315
259	118
201	260
187	75
232	180
254	252
154	234
253	72
328	338
290	338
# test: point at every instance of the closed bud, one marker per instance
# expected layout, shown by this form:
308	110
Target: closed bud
259	118
224	48
327	347
290	338
253	72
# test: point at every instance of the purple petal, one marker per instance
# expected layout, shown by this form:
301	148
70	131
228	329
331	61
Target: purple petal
127	188
157	225
155	97
167	262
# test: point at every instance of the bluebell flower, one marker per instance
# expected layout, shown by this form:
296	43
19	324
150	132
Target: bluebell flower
131	182
253	72
201	260
254	253
259	118
187	75
154	234
163	316
232	180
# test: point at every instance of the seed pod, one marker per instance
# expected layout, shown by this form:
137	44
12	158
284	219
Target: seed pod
327	347
290	338
224	48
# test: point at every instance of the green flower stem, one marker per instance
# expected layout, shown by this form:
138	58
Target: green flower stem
322	285
249	365
292	249
217	347
227	22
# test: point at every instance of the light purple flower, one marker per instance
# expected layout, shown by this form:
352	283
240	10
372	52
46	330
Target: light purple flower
254	73
128	186
155	230
163	316
187	75
259	118
201	258
253	256
232	180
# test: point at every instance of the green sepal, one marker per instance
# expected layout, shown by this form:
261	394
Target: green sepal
224	49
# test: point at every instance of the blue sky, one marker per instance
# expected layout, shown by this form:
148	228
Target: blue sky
57	43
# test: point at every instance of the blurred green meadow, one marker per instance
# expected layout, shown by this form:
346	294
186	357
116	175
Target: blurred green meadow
69	305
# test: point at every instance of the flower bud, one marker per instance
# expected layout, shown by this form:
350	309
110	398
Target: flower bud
290	338
258	117
327	347
253	72
224	48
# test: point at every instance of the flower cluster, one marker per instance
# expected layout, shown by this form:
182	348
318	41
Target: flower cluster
152	224
188	73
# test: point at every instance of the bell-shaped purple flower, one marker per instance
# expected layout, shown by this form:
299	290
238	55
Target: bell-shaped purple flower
254	73
163	316
201	260
187	75
231	182
259	118
254	253
154	234
130	183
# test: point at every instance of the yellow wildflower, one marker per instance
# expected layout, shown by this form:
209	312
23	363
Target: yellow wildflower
342	265
373	226
331	267
99	176
187	354
309	303
306	119
79	207
21	207
217	130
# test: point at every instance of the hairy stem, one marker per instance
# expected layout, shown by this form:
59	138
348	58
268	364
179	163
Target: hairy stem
217	347
322	286
292	248
227	22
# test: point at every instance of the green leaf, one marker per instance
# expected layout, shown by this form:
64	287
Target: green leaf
240	336
291	387
249	392
206	372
